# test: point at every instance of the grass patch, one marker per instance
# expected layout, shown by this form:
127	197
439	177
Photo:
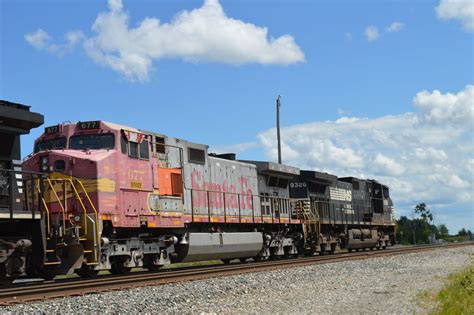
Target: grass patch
458	296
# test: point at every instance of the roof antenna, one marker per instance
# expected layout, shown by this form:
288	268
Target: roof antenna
278	127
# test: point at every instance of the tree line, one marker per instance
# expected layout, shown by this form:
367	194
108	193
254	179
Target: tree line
420	228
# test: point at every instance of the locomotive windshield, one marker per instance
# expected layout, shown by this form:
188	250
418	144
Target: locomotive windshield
92	141
50	144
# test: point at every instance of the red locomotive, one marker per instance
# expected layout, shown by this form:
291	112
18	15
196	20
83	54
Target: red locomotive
118	197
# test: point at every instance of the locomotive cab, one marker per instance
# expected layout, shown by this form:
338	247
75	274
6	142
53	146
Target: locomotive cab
381	203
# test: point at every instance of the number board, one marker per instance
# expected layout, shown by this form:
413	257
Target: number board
86	125
298	189
53	129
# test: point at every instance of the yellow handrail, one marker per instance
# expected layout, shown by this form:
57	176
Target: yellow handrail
82	204
93	207
76	186
319	221
59	201
47	216
48	224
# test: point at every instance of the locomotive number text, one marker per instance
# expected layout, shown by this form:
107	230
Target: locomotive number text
297	185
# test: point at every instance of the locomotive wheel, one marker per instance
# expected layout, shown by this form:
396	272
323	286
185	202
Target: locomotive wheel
275	257
118	267
322	252
333	248
48	273
6	280
87	271
148	263
243	260
3	279
226	261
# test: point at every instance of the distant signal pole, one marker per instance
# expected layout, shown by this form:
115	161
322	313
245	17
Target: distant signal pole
278	128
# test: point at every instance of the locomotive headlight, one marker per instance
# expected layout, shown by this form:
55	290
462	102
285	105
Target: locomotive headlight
44	164
44	160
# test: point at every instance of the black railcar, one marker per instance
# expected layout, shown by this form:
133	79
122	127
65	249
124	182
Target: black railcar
20	211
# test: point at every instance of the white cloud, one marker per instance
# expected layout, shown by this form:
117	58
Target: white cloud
115	5
424	156
387	166
205	34
348	36
395	27
455	181
462	10
41	40
342	112
372	33
438	108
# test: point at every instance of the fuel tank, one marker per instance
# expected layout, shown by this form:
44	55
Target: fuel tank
214	246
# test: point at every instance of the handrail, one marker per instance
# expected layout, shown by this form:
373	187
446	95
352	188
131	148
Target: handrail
318	218
59	201
93	207
48	223
80	201
77	187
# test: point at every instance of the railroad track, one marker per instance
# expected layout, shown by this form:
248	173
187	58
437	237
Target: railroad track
73	287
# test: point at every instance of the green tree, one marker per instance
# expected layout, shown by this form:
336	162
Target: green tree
443	231
462	232
423	211
410	230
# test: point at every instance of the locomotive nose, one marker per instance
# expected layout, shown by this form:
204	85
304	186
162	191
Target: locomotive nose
47	162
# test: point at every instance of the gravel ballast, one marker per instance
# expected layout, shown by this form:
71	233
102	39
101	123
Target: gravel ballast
376	285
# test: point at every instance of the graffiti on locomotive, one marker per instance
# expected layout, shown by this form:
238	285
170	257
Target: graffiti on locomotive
220	194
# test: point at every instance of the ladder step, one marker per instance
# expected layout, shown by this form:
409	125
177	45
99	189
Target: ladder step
50	250
83	238
52	263
92	264
87	251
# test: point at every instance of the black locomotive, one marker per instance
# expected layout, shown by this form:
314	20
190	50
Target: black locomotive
21	215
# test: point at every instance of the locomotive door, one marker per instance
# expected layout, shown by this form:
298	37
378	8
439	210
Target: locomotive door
276	204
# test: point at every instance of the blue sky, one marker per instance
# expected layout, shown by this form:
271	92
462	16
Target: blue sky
187	78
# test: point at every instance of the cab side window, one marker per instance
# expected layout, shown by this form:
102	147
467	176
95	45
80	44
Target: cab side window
134	149
144	150
123	144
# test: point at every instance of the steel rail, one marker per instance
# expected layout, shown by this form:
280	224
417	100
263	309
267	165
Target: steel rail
74	287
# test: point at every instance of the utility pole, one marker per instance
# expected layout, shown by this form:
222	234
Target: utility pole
414	227
278	128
